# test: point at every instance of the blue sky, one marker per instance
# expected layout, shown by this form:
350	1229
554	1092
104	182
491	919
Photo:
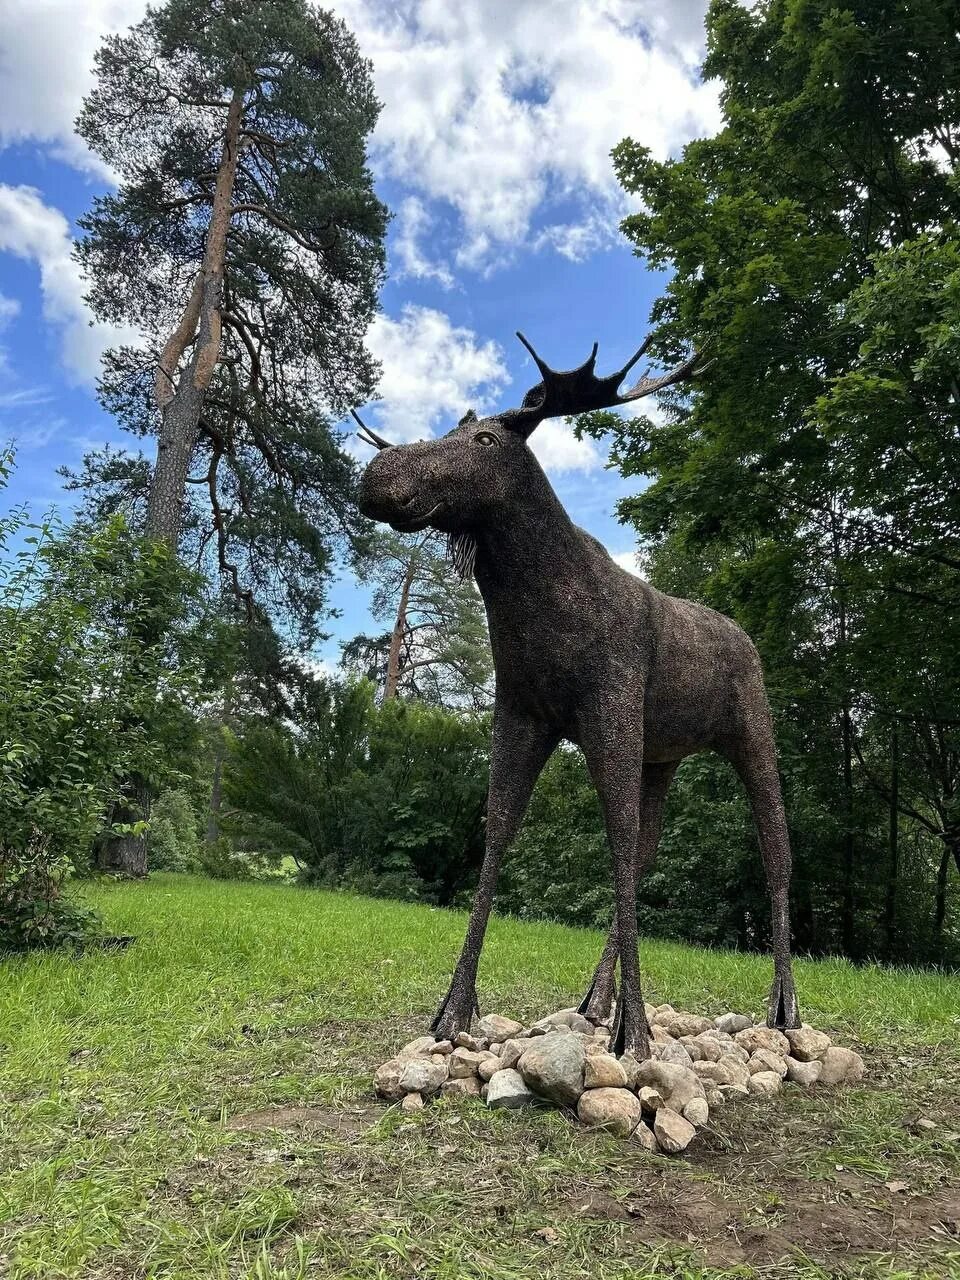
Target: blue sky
493	154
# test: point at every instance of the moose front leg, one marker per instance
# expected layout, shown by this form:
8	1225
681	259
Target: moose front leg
655	782
613	746
520	749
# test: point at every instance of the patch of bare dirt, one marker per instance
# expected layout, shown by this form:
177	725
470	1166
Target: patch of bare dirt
345	1122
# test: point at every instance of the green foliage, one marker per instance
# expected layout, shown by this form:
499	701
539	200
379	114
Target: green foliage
77	704
304	262
172	841
808	486
385	798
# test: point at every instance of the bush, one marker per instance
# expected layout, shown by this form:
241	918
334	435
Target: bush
77	692
172	842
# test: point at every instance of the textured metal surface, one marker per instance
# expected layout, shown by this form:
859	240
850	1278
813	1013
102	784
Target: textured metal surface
586	652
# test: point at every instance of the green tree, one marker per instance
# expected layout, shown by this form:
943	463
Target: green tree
437	649
808	485
244	244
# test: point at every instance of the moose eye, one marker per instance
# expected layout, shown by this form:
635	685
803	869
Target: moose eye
486	438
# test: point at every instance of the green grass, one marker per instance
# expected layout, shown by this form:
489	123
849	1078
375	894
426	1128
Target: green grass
199	1105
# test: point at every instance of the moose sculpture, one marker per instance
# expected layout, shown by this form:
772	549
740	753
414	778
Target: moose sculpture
586	652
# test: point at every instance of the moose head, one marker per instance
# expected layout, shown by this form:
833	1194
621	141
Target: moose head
483	468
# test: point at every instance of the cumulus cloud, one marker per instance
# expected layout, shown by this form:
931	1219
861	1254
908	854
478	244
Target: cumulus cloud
413	223
559	450
501	107
433	371
497	109
38	233
46	57
629	560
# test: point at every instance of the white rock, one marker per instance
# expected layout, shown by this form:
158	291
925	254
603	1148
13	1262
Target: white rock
497	1029
764	1060
697	1112
614	1109
553	1067
411	1102
678	1085
603	1071
650	1099
421	1075
673	1133
841	1066
508	1089
764	1082
387	1079
422	1044
804	1073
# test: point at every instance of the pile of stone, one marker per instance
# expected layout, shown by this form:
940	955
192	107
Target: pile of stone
696	1064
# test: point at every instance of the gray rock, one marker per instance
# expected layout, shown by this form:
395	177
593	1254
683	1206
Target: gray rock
673	1133
676	1052
644	1135
732	1022
466	1041
764	1082
764	1060
497	1029
734	1090
727	1070
614	1109
442	1047
386	1081
411	1102
553	1068
422	1075
697	1112
804	1073
709	1047
508	1089
464	1063
567	1018
754	1038
807	1045
511	1051
841	1066
461	1087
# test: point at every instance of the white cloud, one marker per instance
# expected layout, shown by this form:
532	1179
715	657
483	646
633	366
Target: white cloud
500	107
37	232
629	560
433	371
413	223
46	57
558	449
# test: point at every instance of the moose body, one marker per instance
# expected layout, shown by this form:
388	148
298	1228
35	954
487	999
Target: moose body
587	653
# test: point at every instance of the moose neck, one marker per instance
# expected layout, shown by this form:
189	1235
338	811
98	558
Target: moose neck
533	544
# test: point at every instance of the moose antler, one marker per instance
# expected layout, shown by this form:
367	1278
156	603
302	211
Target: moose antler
580	390
367	435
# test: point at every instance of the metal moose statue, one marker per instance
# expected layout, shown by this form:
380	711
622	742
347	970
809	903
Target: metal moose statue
586	652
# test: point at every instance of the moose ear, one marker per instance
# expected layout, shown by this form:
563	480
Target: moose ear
469	416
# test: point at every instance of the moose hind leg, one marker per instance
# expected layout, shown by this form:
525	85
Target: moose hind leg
520	749
601	993
757	766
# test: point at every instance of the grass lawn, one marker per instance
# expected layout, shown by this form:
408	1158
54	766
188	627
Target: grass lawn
199	1105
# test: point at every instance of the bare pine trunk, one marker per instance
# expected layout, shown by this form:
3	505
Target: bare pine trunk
219	754
180	401
396	636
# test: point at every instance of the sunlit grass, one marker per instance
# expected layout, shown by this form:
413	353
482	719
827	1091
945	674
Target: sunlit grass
119	1071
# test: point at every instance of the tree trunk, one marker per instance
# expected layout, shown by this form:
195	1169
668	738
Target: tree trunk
219	754
893	871
396	635
941	907
180	401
